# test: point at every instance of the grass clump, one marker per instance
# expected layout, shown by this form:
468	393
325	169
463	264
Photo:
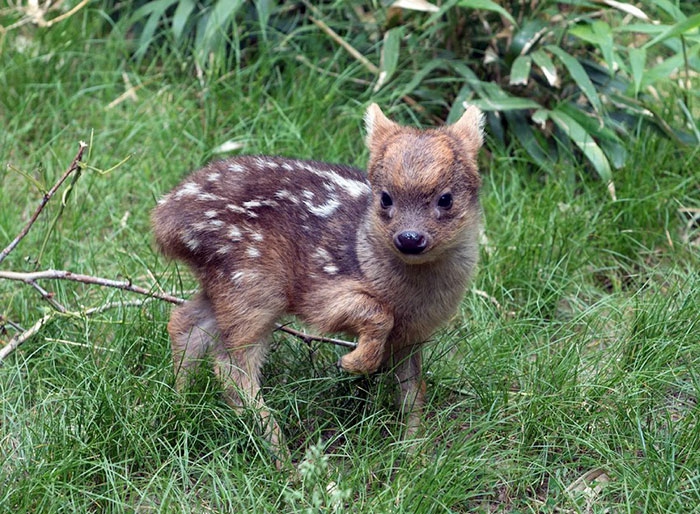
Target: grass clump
572	385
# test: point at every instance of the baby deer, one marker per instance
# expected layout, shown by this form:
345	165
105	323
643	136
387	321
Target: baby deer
384	256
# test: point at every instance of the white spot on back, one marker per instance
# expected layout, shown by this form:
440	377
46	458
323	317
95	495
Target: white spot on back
323	210
235	208
287	166
206	226
235	233
283	194
252	252
321	254
208	196
213	176
237	276
252	204
354	188
211	214
331	269
188	189
264	162
236	168
324	259
192	243
256	236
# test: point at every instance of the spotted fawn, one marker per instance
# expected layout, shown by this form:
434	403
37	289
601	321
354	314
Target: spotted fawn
385	255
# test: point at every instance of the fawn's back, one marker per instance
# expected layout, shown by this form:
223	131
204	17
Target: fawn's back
290	222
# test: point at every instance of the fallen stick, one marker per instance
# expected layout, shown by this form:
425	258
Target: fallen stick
75	165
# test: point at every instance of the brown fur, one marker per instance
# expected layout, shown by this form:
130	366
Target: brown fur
268	236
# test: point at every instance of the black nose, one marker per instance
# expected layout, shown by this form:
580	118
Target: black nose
410	242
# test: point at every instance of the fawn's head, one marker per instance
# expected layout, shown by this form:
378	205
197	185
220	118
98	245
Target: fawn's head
425	184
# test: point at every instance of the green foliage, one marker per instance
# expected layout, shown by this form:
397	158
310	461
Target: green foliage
203	26
562	79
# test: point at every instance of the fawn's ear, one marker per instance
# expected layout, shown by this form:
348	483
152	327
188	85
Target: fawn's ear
470	129
377	126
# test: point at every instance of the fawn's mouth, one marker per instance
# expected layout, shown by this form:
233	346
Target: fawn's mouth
425	256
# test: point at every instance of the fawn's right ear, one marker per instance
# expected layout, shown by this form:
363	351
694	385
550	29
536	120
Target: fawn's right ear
377	126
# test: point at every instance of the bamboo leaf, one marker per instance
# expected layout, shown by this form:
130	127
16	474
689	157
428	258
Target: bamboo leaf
676	30
671	9
627	8
510	103
389	57
155	11
520	70
587	145
638	59
664	69
526	136
487	5
547	66
416	5
222	14
182	15
578	73
606	44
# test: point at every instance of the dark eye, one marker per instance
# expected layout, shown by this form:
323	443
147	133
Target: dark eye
385	200
445	201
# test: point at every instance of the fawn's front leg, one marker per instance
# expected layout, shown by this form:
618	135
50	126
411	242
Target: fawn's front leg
411	392
345	307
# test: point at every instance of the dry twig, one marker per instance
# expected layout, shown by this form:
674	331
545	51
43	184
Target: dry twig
75	165
52	274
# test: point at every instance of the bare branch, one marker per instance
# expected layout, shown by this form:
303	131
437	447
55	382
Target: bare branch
21	338
125	285
308	338
48	296
75	165
17	340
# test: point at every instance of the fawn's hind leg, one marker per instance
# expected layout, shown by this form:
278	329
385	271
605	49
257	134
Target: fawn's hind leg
193	331
246	322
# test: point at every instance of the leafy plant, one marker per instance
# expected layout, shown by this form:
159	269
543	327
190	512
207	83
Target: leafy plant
205	26
563	79
566	78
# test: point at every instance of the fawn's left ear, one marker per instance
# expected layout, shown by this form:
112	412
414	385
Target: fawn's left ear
377	126
470	129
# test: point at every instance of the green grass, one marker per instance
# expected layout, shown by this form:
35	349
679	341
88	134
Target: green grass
588	364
